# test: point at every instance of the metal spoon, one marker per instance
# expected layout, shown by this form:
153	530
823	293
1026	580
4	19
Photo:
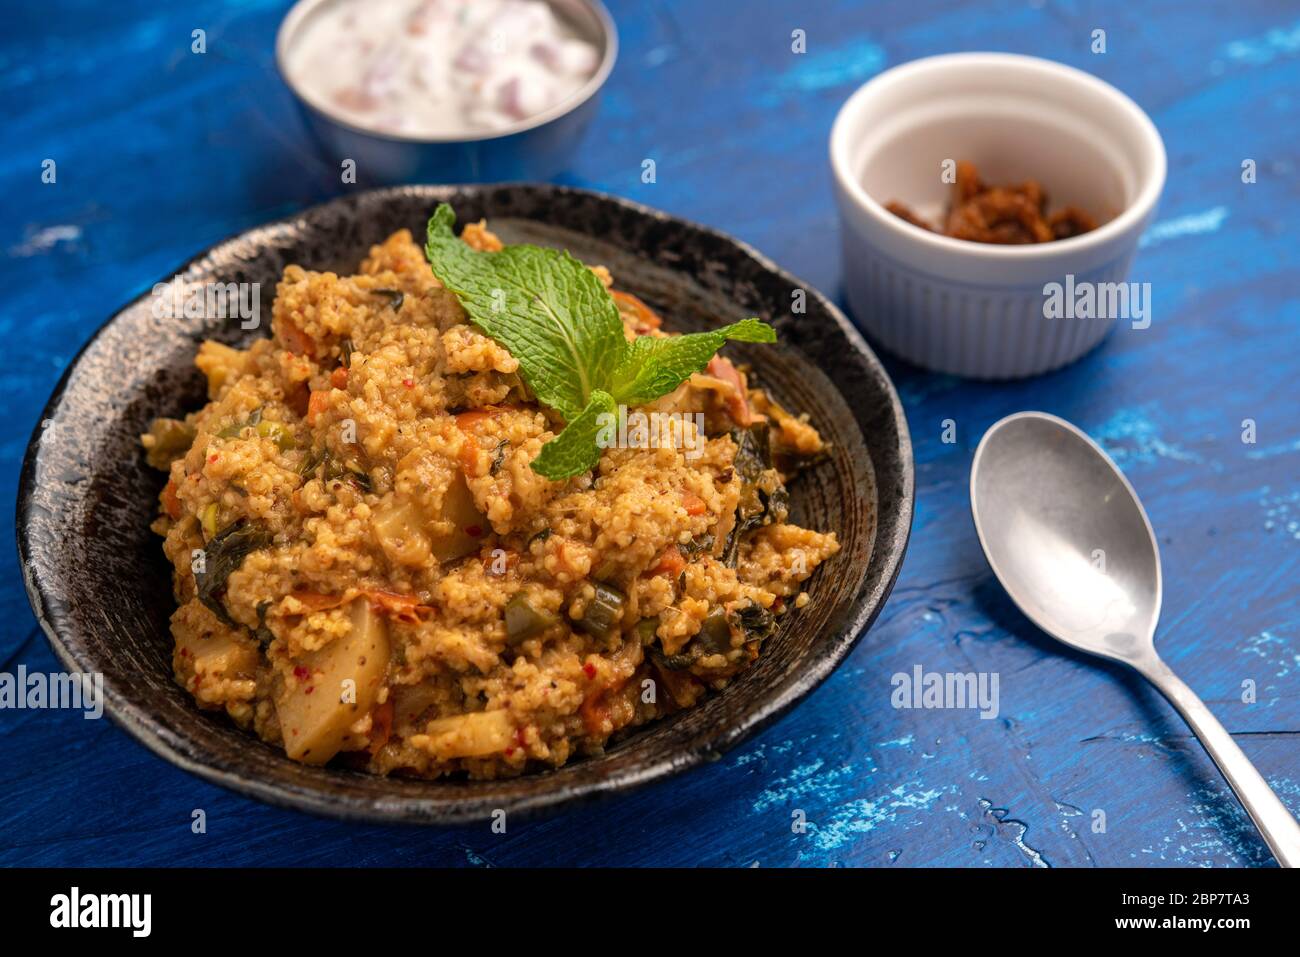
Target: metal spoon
1066	535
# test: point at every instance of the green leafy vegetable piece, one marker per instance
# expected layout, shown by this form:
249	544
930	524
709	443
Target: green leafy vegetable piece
559	321
395	297
225	554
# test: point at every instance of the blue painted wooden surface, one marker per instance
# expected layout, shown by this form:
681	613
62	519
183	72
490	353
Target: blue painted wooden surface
161	152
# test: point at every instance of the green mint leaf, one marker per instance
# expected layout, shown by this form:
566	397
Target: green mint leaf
575	450
654	366
549	311
559	321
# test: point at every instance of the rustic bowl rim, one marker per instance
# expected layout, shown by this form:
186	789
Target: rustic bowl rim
148	730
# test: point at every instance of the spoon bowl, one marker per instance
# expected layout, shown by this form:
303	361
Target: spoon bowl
1066	535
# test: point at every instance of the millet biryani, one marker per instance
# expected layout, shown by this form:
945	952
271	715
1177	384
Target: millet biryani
474	510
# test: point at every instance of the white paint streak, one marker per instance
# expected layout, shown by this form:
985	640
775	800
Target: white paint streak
855	818
1279	513
1270	451
1256	51
803	782
1193	224
1129	436
46	239
1276	651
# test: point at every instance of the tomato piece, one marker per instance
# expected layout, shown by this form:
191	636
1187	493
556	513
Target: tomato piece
469	456
297	399
316	404
316	601
670	563
466	421
405	608
509	561
297	341
595	713
402	607
381	727
642	314
170	501
737	400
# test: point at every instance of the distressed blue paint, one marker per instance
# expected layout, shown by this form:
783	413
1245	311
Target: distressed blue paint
815	71
162	152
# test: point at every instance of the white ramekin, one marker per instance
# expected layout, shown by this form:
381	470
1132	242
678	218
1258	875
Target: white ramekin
976	309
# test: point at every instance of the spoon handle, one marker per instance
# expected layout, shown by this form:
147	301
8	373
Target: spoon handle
1280	831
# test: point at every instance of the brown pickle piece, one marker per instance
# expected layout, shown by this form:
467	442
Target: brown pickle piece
905	213
1070	221
1003	215
999	215
967	184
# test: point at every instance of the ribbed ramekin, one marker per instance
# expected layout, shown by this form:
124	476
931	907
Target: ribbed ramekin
976	309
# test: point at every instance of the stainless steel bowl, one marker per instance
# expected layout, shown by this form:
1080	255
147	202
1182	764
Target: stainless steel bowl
536	148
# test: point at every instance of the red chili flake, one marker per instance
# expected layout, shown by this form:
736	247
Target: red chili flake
510	751
301	672
310	690
213	457
589	670
409	383
519	736
474	531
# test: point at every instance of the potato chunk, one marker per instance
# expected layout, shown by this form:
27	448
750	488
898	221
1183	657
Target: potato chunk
409	537
461	526
220	363
473	735
333	687
218	667
399	528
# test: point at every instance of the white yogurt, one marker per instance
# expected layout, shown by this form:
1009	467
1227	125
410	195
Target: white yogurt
440	68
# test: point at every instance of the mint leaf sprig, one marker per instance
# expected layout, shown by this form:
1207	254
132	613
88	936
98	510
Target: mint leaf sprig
559	321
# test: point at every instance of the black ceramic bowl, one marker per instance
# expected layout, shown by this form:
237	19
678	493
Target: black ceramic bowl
102	590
